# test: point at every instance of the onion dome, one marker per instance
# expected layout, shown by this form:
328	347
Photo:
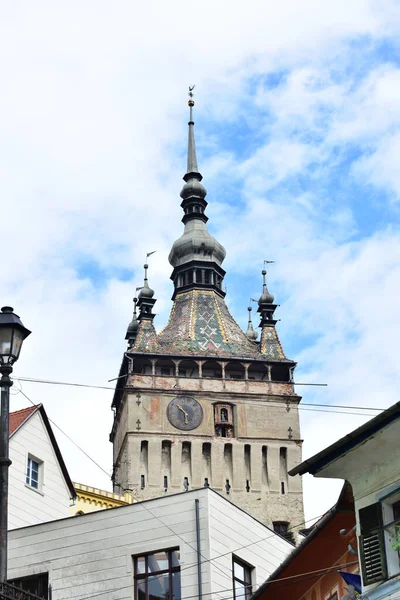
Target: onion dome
265	297
146	291
196	243
251	333
131	332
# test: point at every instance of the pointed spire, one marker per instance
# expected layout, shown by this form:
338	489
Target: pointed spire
196	256
192	158
131	332
251	333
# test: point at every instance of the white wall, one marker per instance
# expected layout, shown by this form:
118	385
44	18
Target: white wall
26	505
235	533
92	554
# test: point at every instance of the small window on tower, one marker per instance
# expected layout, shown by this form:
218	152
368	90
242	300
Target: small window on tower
223	419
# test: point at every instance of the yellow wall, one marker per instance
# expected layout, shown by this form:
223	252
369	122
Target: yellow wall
90	499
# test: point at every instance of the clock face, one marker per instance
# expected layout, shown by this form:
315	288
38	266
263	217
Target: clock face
184	412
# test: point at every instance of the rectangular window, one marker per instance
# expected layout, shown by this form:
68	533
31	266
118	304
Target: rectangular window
36	584
33	472
391	526
379	541
242	588
158	575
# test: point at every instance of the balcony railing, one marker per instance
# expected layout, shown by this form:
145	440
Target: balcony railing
10	592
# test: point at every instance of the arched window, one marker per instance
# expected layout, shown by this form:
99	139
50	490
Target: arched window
212	369
234	371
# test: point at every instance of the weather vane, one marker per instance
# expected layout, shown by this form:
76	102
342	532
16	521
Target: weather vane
191	101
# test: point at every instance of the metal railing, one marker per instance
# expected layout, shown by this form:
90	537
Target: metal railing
10	592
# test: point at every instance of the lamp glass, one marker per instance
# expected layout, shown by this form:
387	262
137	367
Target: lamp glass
18	338
6	338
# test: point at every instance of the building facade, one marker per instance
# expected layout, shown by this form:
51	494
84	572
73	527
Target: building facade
89	499
369	459
40	488
188	545
203	403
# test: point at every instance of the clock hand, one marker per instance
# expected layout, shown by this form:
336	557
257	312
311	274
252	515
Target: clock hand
184	412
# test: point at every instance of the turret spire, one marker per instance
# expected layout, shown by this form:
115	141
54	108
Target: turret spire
266	306
131	332
251	333
146	300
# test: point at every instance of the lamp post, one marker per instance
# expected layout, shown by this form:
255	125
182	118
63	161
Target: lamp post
12	334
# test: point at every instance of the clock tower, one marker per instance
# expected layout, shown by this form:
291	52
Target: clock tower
202	403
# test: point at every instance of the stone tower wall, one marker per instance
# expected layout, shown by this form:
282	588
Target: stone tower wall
154	458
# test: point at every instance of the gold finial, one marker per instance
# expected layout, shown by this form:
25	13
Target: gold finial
191	101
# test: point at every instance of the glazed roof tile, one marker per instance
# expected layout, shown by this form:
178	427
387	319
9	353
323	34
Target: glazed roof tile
201	324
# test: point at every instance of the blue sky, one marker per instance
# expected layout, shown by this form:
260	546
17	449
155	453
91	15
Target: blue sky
298	134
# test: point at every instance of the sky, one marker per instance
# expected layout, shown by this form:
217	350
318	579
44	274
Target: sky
298	136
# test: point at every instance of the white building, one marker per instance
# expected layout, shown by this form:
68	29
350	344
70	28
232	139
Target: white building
369	459
193	544
40	488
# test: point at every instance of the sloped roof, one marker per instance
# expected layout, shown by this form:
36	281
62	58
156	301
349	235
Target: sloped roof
320	550
19	417
201	324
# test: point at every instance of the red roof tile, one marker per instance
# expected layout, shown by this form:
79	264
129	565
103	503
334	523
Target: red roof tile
19	416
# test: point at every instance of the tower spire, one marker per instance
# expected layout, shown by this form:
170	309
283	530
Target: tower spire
196	256
192	157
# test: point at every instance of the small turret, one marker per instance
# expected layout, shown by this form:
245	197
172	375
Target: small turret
132	330
266	306
146	300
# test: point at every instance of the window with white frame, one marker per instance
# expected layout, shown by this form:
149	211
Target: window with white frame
380	539
34	471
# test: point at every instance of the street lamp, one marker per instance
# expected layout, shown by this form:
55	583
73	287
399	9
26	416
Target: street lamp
12	334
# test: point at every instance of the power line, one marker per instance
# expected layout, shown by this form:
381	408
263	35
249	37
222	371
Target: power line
296	578
141	504
300	407
69	438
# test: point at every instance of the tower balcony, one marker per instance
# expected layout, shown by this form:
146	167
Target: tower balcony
233	377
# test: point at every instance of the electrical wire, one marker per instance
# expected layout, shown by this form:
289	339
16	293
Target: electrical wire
300	407
142	505
316	573
69	438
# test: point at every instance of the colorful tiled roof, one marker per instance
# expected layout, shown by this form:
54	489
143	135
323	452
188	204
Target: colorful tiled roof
19	416
146	339
270	345
200	323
